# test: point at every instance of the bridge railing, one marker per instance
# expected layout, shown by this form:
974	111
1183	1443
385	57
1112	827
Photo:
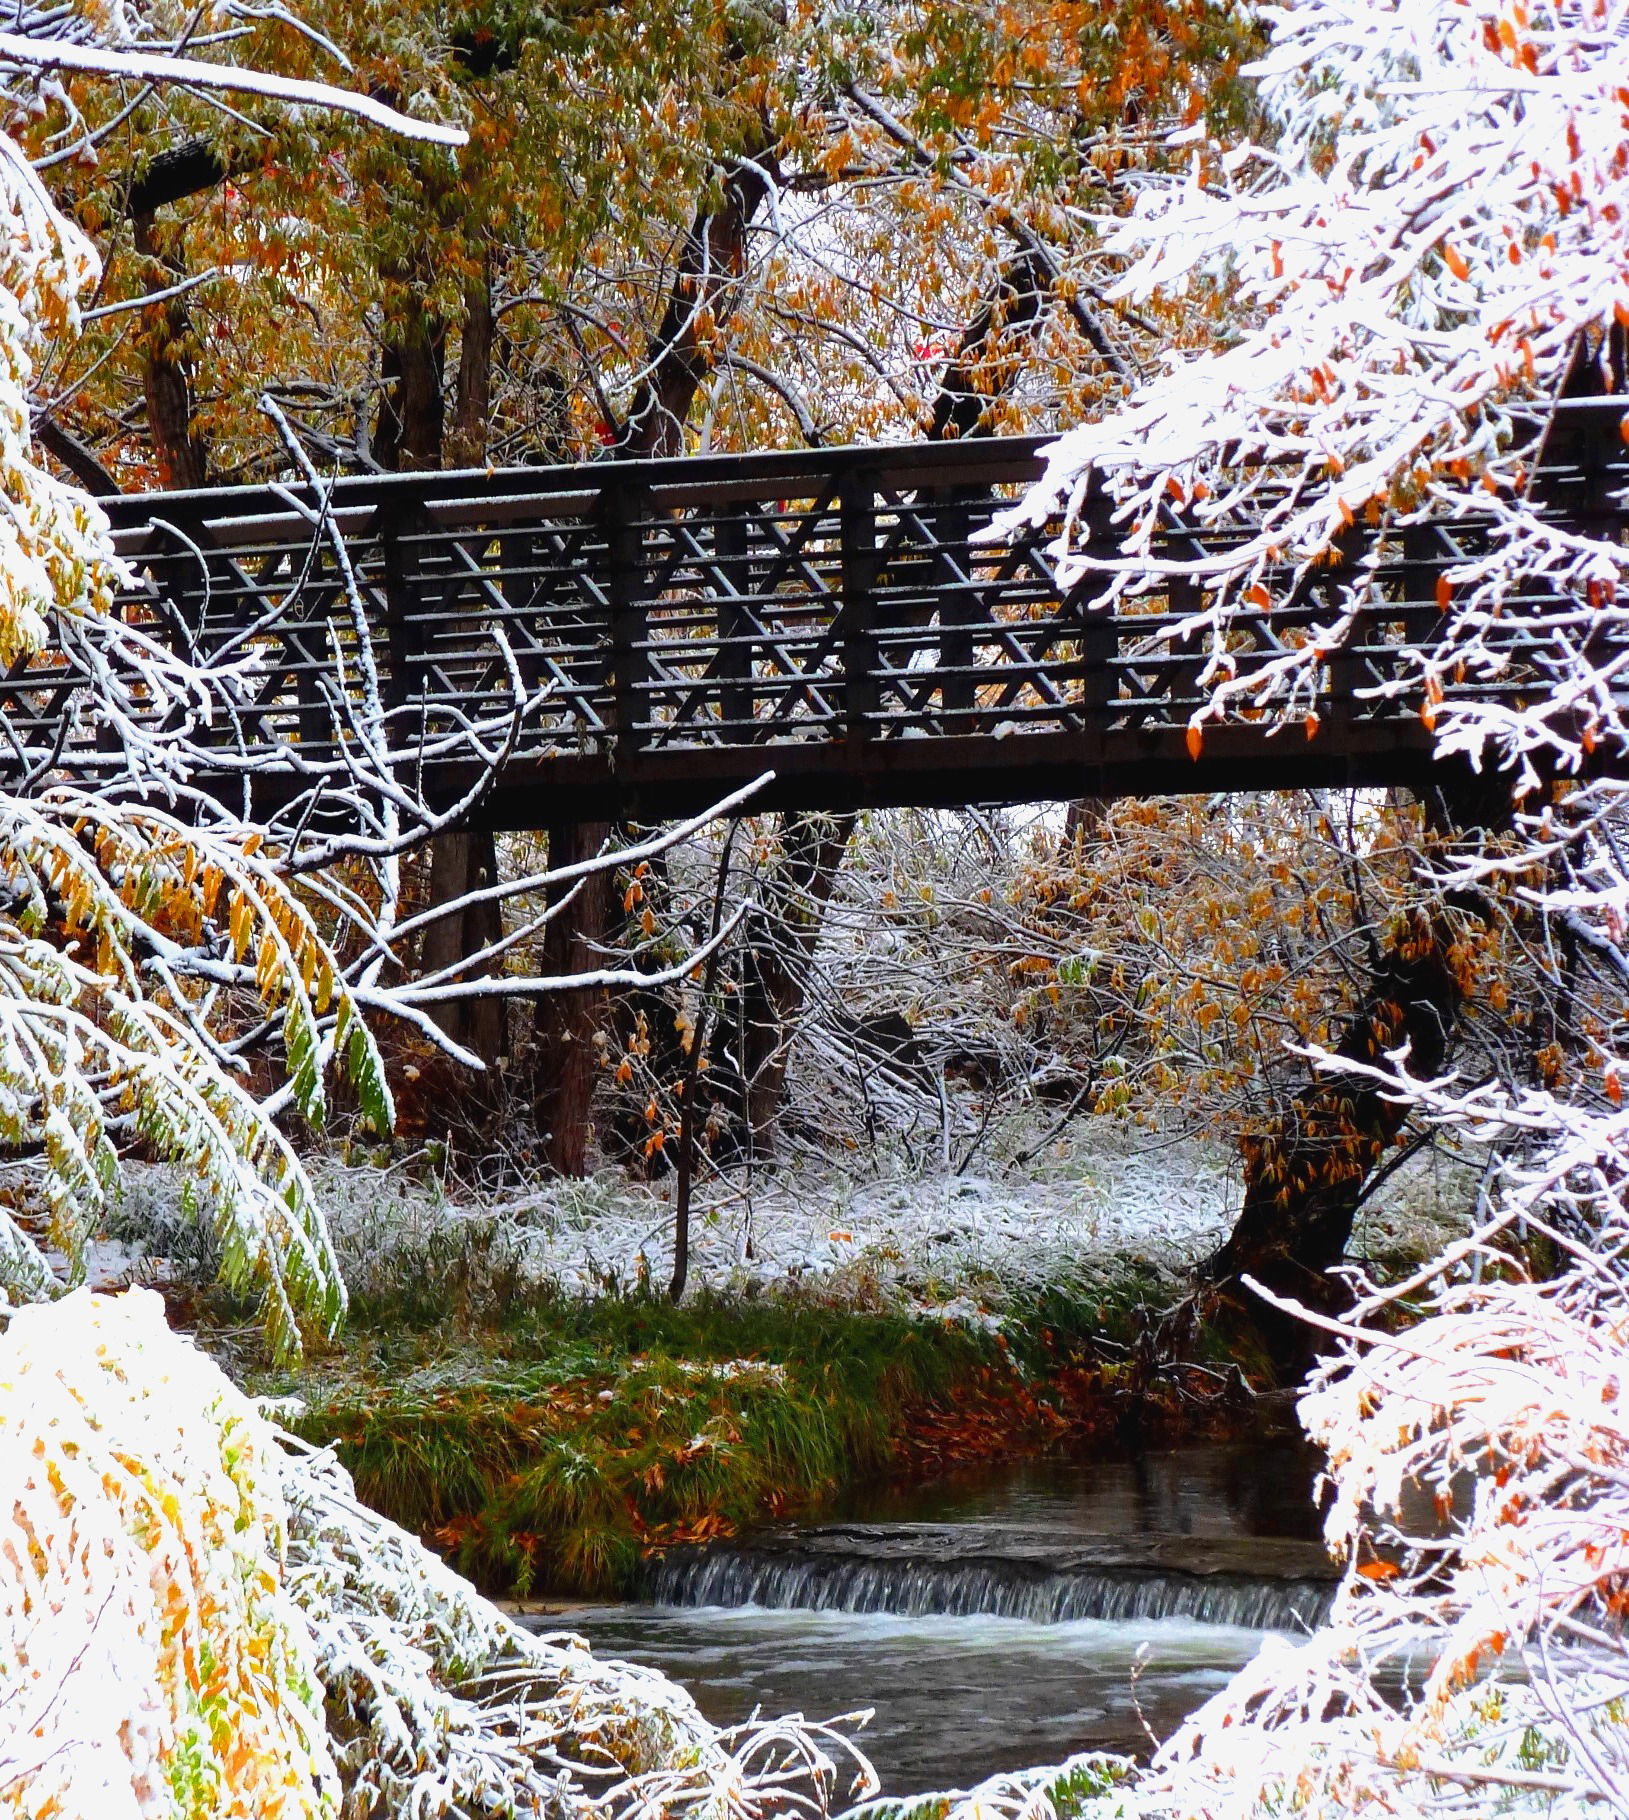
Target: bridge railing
674	626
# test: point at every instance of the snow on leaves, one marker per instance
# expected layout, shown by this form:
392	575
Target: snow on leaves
125	922
179	1597
1433	233
450	1706
1440	209
151	1662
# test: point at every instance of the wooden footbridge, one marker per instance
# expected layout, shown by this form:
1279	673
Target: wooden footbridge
682	626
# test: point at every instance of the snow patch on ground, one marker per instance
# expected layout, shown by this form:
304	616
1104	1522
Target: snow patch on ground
952	1244
933	1236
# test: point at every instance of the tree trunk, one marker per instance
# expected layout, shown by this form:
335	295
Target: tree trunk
462	862
411	365
710	269
775	970
166	372
472	404
1086	819
565	1022
1307	1175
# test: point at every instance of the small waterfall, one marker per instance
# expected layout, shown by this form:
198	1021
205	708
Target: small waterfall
816	1572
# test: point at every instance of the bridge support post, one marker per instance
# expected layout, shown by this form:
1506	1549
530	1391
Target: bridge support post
626	508
859	609
564	1023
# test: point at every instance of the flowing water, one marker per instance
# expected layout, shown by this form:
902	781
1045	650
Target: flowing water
995	1620
955	1699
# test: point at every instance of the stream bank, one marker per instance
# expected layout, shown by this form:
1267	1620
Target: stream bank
511	1385
562	1445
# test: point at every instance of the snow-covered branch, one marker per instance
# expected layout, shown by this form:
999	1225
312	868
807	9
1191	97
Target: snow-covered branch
189	72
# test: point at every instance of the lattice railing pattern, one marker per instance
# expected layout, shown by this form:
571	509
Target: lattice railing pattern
676	626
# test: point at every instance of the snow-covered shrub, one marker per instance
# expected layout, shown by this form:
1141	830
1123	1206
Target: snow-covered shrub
127	908
1071	1790
152	1662
443	1704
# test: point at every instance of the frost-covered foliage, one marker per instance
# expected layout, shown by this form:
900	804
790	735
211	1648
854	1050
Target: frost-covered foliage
1442	210
1439	228
1478	1461
151	1660
180	1599
445	1705
1066	1791
50	549
125	911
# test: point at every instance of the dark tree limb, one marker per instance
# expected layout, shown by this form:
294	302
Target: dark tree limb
1310	1171
976	377
75	456
705	287
174	175
1306	1174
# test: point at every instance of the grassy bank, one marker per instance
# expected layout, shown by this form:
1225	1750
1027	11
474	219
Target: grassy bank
548	1441
510	1385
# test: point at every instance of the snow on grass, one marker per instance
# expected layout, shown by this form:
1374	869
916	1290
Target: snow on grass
1109	1199
945	1242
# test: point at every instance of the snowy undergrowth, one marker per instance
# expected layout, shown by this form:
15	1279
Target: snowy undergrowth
946	1244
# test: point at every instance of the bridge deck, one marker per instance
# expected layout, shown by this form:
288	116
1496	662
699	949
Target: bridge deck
685	625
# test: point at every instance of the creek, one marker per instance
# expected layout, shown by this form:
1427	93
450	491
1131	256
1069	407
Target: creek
995	1619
